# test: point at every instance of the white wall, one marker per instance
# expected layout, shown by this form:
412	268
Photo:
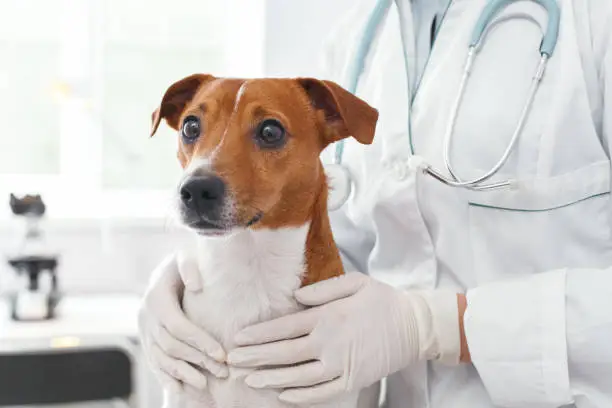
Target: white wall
295	33
101	256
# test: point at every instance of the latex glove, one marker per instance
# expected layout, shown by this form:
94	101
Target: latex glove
180	354
358	332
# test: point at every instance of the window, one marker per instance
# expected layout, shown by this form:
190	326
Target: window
79	80
28	114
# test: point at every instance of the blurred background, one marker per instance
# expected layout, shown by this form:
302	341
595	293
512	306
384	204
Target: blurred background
79	80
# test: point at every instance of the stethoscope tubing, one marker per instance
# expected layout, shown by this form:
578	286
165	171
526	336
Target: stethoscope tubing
484	23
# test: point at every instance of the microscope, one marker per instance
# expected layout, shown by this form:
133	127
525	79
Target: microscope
35	263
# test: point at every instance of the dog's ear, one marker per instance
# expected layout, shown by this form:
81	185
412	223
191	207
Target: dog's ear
176	98
345	114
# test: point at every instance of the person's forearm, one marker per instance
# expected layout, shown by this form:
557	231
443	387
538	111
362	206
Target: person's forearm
465	352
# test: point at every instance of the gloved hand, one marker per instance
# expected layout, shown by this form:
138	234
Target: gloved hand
358	332
172	344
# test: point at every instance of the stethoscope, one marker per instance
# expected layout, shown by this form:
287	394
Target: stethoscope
339	175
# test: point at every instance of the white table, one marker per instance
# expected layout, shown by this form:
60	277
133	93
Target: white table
84	316
81	322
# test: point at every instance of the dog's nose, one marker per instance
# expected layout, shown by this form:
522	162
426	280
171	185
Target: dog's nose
202	194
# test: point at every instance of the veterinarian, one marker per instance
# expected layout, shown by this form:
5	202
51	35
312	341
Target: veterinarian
480	219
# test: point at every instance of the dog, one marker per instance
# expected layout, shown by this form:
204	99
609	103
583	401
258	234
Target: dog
255	192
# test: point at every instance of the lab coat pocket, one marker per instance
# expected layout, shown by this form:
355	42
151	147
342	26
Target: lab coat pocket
542	224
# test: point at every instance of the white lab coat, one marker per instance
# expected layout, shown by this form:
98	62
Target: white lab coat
536	260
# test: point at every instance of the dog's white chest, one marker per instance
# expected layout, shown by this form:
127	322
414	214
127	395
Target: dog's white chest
248	278
224	308
223	311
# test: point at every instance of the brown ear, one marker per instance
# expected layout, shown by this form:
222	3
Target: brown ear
176	98
346	115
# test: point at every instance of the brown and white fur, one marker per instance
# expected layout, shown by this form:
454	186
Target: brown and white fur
263	228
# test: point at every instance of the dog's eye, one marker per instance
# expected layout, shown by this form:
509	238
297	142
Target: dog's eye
191	129
270	134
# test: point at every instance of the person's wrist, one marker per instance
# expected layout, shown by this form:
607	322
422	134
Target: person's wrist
443	308
462	307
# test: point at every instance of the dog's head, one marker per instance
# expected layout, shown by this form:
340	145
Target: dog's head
250	148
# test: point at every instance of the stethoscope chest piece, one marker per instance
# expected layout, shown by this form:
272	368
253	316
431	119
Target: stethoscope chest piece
339	183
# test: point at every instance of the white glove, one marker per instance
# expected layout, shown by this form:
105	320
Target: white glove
180	353
358	332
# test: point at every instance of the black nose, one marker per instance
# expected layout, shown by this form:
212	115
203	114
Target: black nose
203	194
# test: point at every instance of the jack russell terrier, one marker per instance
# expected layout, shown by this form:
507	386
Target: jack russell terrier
255	192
